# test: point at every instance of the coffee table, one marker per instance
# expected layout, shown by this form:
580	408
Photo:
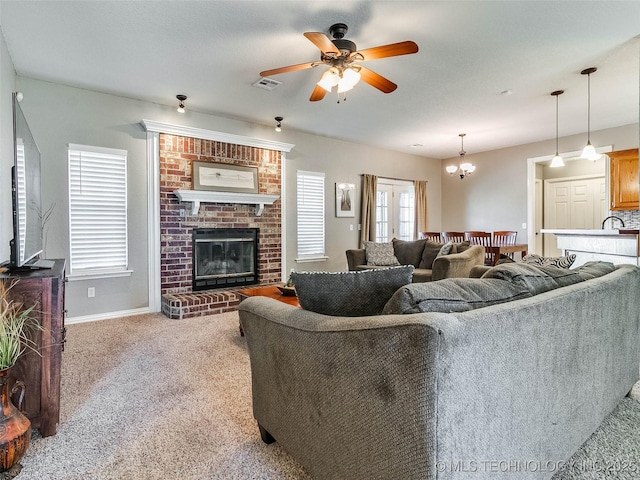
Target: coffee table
270	291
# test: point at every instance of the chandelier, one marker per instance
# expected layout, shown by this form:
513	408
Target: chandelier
464	168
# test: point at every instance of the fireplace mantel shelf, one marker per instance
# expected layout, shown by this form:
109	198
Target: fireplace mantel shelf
198	196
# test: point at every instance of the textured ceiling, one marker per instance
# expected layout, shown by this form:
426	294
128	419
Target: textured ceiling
470	52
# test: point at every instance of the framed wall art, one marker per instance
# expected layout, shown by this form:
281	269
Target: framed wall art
345	199
223	177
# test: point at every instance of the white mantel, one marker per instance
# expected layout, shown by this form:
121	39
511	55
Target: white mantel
196	197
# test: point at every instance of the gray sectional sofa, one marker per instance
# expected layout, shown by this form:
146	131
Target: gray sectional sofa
423	255
505	390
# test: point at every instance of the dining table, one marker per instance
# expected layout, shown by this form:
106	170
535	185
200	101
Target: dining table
496	250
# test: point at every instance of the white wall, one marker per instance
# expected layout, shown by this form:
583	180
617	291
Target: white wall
59	115
7	87
346	162
494	197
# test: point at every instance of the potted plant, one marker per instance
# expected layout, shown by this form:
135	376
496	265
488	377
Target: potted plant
15	325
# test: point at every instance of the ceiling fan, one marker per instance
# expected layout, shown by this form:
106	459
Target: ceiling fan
341	56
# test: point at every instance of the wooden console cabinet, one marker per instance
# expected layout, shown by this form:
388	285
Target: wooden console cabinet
623	173
41	374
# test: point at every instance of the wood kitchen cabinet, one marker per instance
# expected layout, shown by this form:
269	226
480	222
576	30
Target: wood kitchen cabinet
41	373
623	174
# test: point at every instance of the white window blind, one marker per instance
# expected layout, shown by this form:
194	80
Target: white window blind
310	197
97	209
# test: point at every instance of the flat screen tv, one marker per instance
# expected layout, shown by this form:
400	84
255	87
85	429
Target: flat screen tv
27	207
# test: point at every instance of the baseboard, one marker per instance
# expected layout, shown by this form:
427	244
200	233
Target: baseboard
106	316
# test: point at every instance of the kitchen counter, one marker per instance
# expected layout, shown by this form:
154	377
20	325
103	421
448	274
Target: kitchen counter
616	246
568	231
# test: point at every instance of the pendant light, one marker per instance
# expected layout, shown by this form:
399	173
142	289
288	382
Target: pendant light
463	168
278	123
557	160
589	151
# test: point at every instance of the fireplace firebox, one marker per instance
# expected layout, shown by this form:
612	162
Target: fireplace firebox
224	257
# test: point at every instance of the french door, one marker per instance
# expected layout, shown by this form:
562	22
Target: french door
395	212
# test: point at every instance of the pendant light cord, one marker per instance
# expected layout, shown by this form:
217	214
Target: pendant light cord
557	125
589	108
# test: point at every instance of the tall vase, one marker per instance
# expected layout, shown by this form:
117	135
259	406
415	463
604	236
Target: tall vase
15	428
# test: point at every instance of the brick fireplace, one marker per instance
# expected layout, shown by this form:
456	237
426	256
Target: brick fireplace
177	222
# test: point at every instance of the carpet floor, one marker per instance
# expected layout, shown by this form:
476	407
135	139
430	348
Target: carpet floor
146	397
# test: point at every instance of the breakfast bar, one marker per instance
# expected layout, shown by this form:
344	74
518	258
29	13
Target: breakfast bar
616	246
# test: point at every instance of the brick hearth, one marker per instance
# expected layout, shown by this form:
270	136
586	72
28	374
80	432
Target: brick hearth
176	156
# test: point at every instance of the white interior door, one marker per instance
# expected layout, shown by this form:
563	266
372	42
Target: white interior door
572	204
538	247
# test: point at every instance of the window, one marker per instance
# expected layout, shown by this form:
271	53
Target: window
310	199
395	212
97	210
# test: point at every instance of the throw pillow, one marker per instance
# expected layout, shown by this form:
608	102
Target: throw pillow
350	294
461	247
452	295
561	262
380	254
446	249
408	252
594	269
541	278
429	254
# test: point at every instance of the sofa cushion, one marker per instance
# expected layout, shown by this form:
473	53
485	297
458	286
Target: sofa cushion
408	252
349	294
380	254
446	249
539	278
561	262
452	295
594	269
429	254
461	247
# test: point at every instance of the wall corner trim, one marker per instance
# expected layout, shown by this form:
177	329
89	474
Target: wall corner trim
193	132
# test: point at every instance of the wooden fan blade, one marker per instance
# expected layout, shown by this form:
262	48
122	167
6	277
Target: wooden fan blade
317	94
291	68
377	81
391	50
321	41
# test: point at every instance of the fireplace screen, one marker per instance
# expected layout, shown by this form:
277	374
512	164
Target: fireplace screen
224	257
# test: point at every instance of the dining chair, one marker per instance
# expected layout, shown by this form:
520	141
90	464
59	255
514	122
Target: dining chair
453	237
505	237
431	236
484	239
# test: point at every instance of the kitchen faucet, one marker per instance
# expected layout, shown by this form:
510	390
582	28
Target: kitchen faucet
612	217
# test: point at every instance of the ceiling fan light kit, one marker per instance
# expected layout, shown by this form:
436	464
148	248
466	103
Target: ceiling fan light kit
464	168
589	151
340	55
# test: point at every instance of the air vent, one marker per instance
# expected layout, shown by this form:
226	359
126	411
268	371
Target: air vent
267	83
